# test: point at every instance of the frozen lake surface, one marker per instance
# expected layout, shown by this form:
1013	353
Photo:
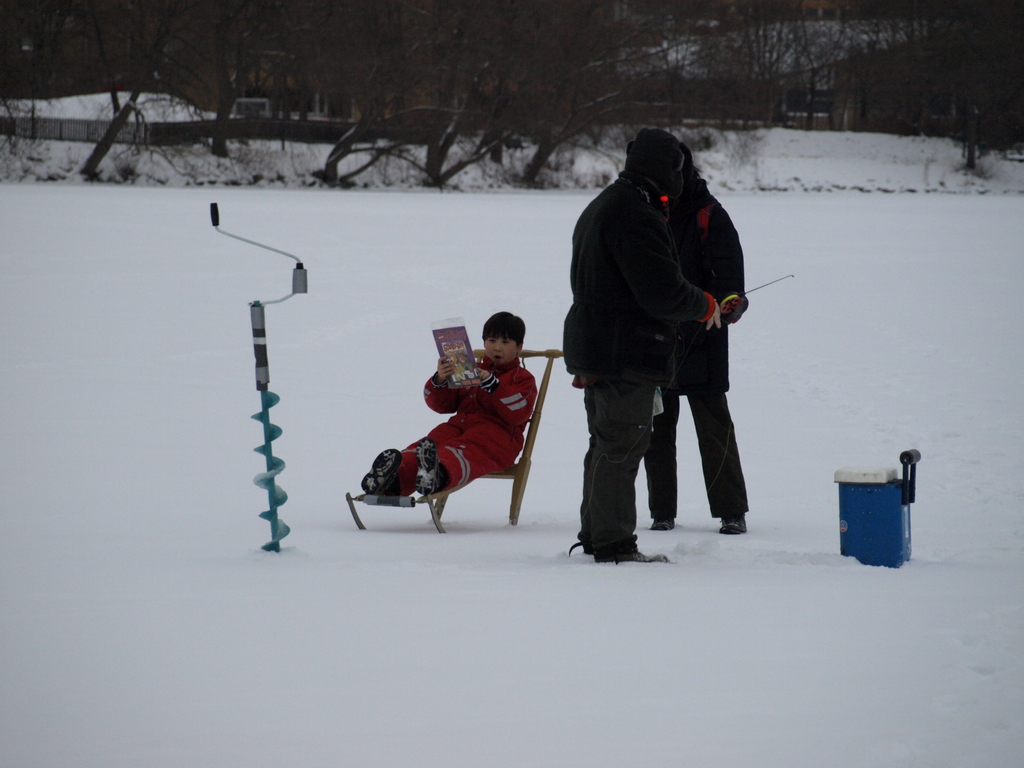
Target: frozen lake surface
143	625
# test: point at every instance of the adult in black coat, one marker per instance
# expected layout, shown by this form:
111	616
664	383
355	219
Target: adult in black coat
711	258
629	295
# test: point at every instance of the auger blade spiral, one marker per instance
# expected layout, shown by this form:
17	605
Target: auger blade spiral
275	465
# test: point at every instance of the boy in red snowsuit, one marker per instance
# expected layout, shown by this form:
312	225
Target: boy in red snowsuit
486	433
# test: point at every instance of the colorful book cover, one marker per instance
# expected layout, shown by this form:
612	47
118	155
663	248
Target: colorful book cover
453	343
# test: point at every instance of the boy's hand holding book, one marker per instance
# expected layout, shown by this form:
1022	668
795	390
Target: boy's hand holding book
445	368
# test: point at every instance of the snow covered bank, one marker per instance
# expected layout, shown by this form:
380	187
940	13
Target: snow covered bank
766	160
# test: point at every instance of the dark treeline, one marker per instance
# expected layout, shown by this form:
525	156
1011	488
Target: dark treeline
488	75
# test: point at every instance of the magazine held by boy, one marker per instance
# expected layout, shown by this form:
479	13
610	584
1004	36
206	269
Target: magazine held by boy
453	343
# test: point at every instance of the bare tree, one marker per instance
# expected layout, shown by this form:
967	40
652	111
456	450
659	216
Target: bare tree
361	61
41	44
233	28
147	29
763	47
101	48
993	72
464	77
585	65
819	45
908	63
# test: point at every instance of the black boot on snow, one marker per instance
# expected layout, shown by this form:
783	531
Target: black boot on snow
631	557
382	479
734	524
626	553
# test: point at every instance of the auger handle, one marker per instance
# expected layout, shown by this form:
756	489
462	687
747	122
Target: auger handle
300	279
215	220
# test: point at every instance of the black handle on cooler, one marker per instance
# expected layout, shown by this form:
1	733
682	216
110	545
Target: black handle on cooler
909	461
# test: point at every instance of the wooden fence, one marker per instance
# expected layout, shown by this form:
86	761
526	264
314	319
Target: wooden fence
71	129
139	132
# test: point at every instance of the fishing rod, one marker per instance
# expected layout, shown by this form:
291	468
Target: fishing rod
767	284
733	305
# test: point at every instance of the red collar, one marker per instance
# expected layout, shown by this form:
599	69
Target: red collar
488	365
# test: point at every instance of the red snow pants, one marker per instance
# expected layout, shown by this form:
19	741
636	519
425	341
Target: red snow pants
466	455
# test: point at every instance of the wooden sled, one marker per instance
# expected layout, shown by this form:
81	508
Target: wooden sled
518	473
395	501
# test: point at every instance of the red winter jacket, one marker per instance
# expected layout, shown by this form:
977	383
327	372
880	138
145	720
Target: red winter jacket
507	407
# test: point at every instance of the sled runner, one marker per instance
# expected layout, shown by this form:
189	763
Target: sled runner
518	473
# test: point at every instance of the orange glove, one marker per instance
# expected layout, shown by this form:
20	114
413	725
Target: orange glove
713	316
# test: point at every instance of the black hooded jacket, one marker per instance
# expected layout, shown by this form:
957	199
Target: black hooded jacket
629	293
716	267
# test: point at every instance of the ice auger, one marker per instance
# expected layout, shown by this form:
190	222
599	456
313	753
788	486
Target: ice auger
257	313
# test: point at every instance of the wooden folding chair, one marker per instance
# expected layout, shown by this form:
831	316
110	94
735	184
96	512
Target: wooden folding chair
518	473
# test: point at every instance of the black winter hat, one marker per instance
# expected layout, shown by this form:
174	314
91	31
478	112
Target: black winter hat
656	154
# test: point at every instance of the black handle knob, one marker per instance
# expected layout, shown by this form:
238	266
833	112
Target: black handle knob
910	457
909	461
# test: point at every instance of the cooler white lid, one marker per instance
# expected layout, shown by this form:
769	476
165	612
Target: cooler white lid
866	475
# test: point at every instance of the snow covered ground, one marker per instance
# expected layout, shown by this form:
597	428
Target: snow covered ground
143	625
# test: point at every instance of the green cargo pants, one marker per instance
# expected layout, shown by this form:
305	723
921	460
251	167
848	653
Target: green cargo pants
619	417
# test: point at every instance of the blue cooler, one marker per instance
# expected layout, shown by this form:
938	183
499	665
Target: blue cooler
874	512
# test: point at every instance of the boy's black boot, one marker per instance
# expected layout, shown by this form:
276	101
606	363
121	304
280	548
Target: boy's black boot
382	479
431	476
